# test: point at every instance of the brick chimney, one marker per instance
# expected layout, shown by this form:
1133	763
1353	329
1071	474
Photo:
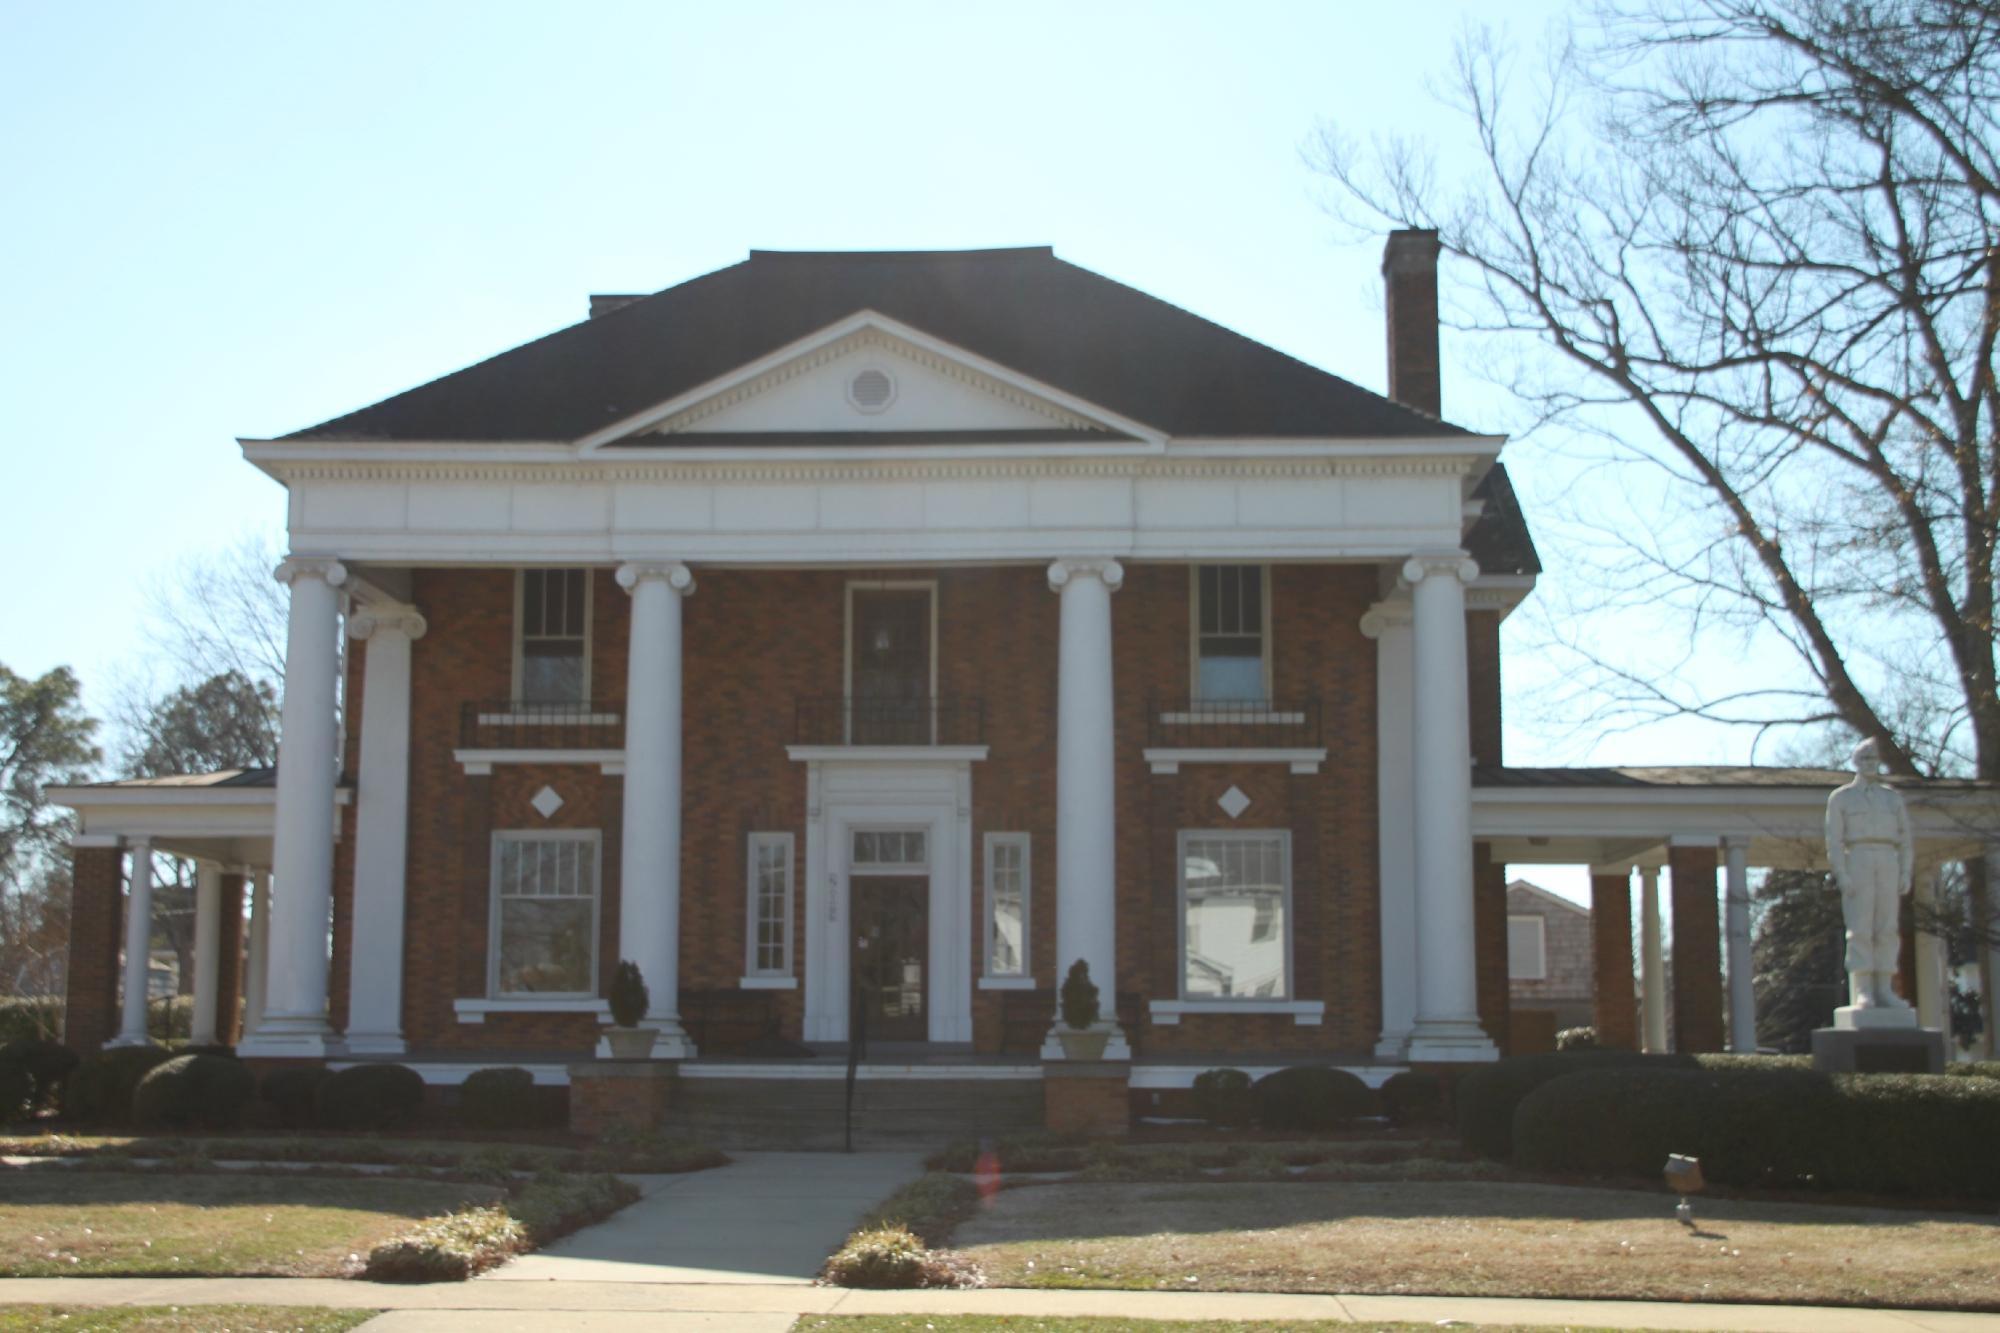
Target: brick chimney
1410	282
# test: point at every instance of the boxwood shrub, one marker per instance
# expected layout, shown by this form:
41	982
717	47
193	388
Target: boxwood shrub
1486	1097
1877	1133
1222	1097
498	1099
1413	1097
1311	1097
47	1064
194	1092
100	1089
292	1093
372	1096
17	1090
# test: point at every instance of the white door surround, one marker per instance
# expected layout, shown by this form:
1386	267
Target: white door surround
929	790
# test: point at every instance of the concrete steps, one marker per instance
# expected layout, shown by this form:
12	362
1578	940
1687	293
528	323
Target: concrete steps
807	1113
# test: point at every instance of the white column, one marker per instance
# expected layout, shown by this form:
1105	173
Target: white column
1388	623
381	830
207	951
138	945
1447	1024
257	953
1933	993
1086	789
649	895
295	1021
1742	989
1652	963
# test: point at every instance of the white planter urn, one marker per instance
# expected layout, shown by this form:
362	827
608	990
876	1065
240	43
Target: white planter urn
630	1043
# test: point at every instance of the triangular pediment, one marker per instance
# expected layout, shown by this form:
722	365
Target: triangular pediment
868	377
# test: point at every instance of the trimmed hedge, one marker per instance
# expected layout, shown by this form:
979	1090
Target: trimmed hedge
1965	1069
100	1090
1878	1133
46	1063
370	1096
501	1098
1413	1097
1311	1097
17	1090
1222	1097
194	1092
1487	1096
30	1018
292	1092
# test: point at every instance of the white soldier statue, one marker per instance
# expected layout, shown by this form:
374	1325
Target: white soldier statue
1873	853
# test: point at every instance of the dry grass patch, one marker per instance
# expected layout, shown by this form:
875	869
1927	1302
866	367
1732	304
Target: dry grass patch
108	1224
179	1319
931	1323
1486	1239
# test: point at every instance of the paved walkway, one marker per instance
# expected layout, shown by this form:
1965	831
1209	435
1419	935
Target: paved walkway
613	1307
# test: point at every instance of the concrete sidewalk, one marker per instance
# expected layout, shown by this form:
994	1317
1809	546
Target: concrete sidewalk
612	1307
766	1217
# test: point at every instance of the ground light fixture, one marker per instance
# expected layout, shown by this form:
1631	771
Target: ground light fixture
1684	1178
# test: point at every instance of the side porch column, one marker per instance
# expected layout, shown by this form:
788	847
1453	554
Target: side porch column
1447	1026
1652	961
96	905
1691	863
203	1027
649	893
1086	782
1742	990
257	953
138	945
1933	997
1613	1012
1389	624
381	829
295	1017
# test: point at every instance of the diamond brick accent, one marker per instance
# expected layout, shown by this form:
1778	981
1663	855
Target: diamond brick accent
546	802
1233	802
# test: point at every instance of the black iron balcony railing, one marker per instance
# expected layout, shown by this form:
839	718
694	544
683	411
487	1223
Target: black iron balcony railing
516	724
843	720
1234	724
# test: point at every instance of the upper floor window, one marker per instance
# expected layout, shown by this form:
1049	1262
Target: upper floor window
1231	634
552	636
1527	948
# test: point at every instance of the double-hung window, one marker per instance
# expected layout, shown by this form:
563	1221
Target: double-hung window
1236	915
1007	877
552	636
544	919
1527	948
1231	634
768	951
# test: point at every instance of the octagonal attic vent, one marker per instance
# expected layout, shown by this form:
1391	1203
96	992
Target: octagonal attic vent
871	390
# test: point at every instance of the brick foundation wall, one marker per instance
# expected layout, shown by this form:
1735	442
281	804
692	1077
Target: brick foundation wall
1089	1099
96	918
620	1097
1615	1006
1697	969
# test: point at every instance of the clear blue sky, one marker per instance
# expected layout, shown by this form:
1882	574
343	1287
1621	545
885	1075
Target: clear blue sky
230	220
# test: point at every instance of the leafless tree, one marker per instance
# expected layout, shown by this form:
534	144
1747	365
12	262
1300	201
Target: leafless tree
221	611
1744	255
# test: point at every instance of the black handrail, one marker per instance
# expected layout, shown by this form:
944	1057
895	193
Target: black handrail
857	1047
522	724
862	720
1234	724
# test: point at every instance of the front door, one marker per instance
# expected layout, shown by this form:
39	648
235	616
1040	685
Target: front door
891	915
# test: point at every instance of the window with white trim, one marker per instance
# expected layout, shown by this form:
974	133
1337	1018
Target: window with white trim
1231	634
552	636
1527	948
1236	915
1007	878
544	921
769	949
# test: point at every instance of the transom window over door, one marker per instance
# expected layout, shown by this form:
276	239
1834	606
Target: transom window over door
1236	927
889	665
552	636
1231	634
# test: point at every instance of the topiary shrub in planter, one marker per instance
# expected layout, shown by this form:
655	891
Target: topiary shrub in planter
1790	1128
1222	1097
1486	1097
1413	1097
99	1091
372	1096
498	1099
292	1093
194	1092
1311	1097
1077	1002
47	1063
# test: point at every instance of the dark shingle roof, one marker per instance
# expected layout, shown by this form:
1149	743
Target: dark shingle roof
1100	340
1499	540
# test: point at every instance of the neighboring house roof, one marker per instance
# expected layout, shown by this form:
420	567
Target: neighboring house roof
1025	309
228	777
1543	896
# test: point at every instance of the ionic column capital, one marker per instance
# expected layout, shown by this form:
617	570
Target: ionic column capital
1382	617
675	574
1103	568
323	567
1425	564
367	622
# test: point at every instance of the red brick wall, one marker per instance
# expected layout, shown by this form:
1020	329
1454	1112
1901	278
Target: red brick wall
1697	968
1489	878
1616	1009
96	916
229	972
756	641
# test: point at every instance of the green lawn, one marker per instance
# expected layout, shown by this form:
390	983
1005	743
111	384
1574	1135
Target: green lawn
177	1319
1478	1239
56	1223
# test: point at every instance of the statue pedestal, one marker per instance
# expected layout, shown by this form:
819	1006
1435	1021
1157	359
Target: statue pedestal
1877	1041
